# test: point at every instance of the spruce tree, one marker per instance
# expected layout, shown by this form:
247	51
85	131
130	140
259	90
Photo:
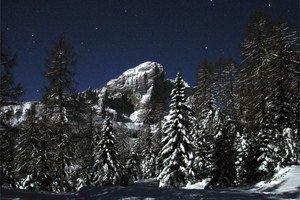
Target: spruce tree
57	106
267	97
177	152
9	93
253	86
224	171
107	170
133	168
46	156
156	116
88	126
146	149
34	160
28	150
283	96
224	150
205	111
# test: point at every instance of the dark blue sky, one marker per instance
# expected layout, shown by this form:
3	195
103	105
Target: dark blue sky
112	36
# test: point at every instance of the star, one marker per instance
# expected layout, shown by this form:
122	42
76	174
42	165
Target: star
205	47
37	90
222	51
7	28
82	43
269	4
32	35
97	28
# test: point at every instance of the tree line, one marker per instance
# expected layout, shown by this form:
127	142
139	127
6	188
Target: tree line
238	127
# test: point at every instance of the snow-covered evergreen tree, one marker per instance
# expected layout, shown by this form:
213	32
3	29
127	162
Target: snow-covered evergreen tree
205	111
9	92
59	108
107	170
87	126
146	149
133	168
224	170
177	152
267	95
240	145
283	97
157	115
28	151
253	92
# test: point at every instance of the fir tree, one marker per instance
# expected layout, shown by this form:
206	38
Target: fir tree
253	83
224	171
156	116
57	106
89	126
282	96
205	111
8	135
123	144
132	168
46	156
9	93
146	148
177	151
107	170
34	159
28	150
224	150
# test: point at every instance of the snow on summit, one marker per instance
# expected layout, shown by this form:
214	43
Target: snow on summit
131	76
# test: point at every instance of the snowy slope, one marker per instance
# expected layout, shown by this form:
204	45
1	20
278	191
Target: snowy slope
286	180
18	111
286	183
143	74
140	190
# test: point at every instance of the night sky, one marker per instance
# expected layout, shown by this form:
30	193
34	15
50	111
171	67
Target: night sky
112	36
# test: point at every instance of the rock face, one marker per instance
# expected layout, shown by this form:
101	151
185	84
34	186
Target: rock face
132	93
127	98
138	79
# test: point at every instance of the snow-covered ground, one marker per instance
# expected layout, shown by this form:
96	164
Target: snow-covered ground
137	191
146	189
286	180
284	185
198	185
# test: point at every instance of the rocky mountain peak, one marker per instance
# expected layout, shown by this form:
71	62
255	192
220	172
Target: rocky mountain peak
133	93
128	97
138	79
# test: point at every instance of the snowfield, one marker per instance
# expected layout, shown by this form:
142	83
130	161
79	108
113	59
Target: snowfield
286	180
137	191
284	185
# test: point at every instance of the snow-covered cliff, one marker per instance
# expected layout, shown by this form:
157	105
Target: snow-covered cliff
128	97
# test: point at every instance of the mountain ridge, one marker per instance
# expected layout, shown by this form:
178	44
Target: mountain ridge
129	97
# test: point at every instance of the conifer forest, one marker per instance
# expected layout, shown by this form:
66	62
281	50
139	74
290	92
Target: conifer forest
236	126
